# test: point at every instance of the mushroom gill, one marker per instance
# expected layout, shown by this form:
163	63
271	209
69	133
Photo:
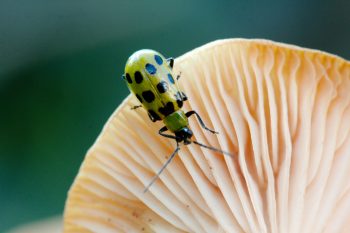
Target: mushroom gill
284	111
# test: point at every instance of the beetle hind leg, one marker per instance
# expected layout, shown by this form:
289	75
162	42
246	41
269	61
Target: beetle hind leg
163	129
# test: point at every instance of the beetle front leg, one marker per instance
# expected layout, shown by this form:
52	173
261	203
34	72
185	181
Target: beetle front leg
190	113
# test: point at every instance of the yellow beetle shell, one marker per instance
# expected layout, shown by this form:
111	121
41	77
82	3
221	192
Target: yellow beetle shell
149	77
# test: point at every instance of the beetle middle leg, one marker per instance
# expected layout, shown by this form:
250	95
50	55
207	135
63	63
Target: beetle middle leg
163	129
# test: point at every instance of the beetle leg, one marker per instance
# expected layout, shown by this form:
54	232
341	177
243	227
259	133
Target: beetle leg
163	129
152	118
190	113
163	167
136	107
178	76
184	96
170	62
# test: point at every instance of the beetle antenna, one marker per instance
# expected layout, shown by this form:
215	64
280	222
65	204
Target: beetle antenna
162	169
213	148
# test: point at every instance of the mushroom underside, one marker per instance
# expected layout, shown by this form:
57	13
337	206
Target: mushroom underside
282	110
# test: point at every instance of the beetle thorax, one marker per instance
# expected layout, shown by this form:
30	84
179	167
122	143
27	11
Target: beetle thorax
176	121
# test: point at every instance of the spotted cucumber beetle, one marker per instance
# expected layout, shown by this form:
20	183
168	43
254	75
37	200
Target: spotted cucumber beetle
150	78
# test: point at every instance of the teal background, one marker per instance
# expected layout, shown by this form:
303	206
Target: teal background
60	68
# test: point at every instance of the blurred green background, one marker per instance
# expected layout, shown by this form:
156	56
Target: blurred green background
60	68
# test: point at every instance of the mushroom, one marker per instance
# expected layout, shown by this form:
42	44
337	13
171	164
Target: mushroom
282	110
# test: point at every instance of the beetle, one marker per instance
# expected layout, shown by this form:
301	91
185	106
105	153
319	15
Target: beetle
150	78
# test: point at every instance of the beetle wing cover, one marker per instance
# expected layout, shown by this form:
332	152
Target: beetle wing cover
153	84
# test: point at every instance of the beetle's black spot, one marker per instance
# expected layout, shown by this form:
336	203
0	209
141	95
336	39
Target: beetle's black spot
171	79
138	77
158	59
162	86
139	98
151	68
148	96
179	103
128	78
153	115
167	109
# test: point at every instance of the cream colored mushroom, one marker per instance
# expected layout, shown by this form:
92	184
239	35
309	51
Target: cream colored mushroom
284	111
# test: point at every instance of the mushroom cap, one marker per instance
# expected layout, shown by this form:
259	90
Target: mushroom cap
282	110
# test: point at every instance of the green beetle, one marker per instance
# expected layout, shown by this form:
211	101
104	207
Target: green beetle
150	78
